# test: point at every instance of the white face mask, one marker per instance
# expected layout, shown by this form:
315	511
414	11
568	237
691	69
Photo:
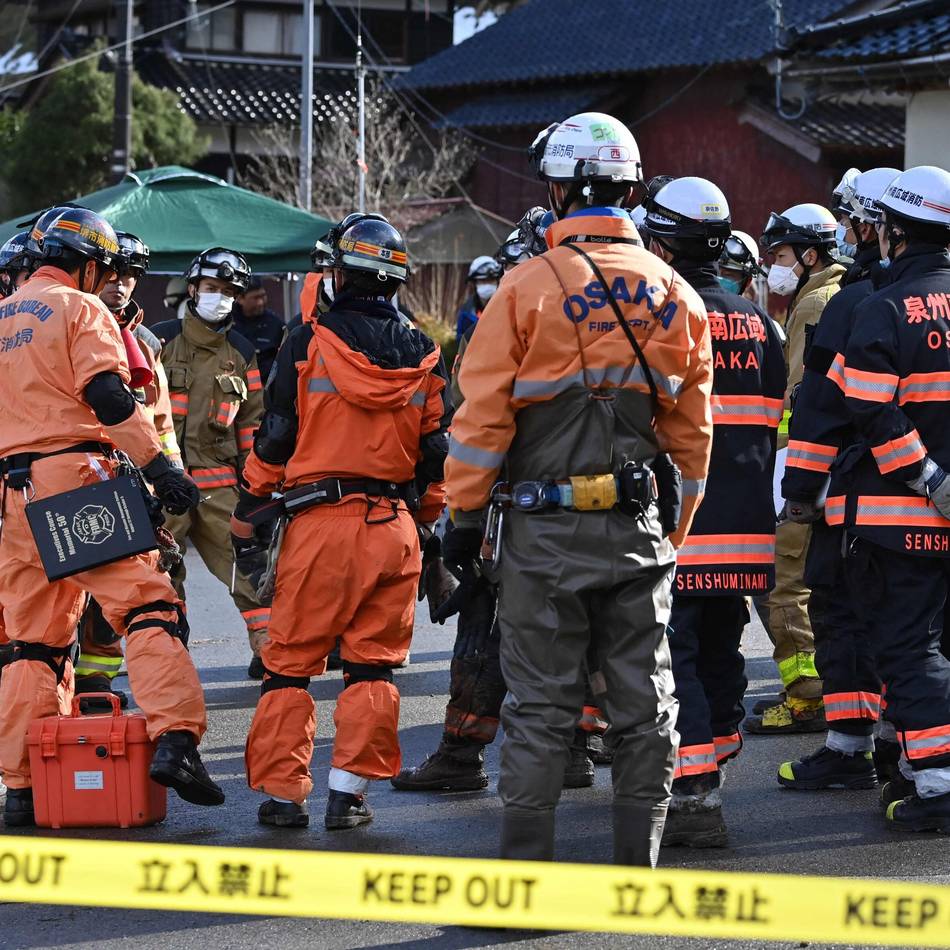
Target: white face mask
845	248
213	308
485	291
782	280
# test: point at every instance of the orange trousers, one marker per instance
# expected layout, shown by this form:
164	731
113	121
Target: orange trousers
337	577
35	610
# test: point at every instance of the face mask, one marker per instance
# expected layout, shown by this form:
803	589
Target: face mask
782	280
729	285
485	291
844	248
213	308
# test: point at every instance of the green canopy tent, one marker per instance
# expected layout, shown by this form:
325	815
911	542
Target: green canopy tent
179	212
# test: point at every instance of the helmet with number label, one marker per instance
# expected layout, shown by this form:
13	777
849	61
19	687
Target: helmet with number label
689	217
587	147
919	194
78	231
370	245
860	197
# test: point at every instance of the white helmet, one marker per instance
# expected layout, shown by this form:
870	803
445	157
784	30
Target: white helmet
587	147
837	196
740	252
859	198
689	217
484	268
804	225
920	194
638	215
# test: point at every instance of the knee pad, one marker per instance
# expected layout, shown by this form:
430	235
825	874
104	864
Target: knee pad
174	628
354	673
54	657
274	681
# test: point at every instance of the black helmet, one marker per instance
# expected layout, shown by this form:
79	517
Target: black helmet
321	256
369	244
14	254
133	255
39	227
223	264
81	232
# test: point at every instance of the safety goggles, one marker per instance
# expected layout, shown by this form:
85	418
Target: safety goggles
225	265
736	253
512	252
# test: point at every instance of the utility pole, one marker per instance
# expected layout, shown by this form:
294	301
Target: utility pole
361	99
122	122
306	110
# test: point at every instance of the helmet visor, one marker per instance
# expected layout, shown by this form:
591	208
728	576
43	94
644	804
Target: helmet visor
225	265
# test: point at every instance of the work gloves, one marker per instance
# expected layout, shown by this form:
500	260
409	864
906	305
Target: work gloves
436	584
461	548
175	490
802	512
252	527
933	484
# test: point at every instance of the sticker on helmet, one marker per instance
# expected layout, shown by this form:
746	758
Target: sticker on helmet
613	153
603	132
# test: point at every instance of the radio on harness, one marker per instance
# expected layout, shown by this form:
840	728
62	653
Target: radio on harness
90	526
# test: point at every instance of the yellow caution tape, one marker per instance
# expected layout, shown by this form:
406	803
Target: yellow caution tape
709	904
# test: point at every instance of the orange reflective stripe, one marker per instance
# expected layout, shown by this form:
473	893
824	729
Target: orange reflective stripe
246	437
695	760
834	509
746	410
924	743
897	453
226	413
727	549
810	455
924	387
179	403
727	746
859	705
256	619
214	477
253	380
836	372
901	510
871	387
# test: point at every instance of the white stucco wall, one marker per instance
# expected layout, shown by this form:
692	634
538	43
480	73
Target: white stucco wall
928	129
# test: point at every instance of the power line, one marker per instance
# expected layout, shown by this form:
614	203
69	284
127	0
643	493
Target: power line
59	30
115	46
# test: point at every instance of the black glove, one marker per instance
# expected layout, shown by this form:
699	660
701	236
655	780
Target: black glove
436	584
461	548
176	491
802	512
252	527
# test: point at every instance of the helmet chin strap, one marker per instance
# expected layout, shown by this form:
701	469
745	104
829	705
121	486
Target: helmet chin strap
806	268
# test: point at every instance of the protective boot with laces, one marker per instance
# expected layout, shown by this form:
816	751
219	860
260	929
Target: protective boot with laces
177	764
346	810
451	768
694	818
897	789
283	814
920	814
828	768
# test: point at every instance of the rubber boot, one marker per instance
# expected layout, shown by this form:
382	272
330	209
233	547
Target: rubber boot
920	814
580	770
694	818
346	810
18	809
791	716
456	766
526	835
98	683
637	834
178	765
283	814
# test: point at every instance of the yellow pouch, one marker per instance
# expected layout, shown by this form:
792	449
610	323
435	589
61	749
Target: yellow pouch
594	492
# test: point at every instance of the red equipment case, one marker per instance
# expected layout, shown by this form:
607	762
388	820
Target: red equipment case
92	771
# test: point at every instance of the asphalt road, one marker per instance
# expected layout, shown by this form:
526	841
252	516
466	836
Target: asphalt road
771	829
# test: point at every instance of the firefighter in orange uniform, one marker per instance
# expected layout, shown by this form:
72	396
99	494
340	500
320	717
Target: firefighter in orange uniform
352	435
578	352
65	403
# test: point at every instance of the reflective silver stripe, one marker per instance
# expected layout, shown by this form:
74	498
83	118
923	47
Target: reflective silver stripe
908	511
418	398
697	547
320	384
726	748
851	706
693	487
911	452
701	758
619	376
929	742
866	386
939	389
809	457
470	455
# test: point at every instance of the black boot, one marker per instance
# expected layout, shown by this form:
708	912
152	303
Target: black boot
283	814
597	750
886	757
176	764
334	660
896	790
446	770
98	683
527	836
637	834
18	810
827	768
345	810
255	669
920	814
580	770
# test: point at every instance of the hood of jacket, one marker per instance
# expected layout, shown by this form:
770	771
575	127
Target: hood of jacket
372	358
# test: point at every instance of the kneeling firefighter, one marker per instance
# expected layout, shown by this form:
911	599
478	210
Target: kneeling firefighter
66	405
586	359
352	434
730	551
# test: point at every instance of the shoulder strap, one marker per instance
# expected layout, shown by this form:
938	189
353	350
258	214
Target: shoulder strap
622	320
